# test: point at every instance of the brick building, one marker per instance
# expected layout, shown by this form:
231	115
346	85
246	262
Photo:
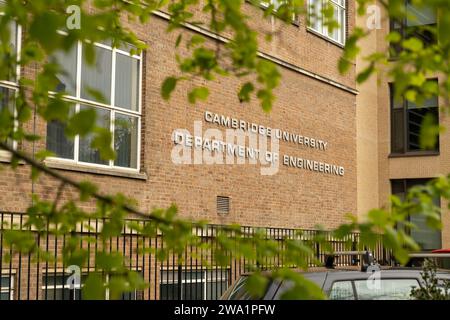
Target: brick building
334	141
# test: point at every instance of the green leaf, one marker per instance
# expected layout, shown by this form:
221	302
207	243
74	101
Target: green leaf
429	132
168	86
366	73
256	285
81	123
196	40
102	142
94	288
201	93
413	44
394	37
246	90
87	189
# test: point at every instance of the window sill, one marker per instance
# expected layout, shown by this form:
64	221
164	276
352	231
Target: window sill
318	34
64	165
5	157
415	154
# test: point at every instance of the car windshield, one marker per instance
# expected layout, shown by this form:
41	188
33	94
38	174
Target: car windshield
238	291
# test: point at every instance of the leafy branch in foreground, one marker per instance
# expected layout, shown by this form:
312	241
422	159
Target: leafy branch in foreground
432	288
46	34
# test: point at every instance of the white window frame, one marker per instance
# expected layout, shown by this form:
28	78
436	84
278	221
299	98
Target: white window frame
13	85
10	289
324	32
265	4
221	274
51	273
46	287
110	107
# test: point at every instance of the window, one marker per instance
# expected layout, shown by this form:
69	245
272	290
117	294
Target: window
276	3
9	85
56	287
6	287
319	24
342	290
239	291
406	122
427	238
111	87
194	285
276	6
416	23
386	289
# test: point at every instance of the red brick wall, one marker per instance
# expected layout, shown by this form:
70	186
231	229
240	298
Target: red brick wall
291	198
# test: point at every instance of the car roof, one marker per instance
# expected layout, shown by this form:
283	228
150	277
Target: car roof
318	274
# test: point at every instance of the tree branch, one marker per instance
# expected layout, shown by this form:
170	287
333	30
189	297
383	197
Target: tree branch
68	181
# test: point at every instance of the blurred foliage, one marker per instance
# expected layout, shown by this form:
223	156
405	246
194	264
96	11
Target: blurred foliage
200	61
432	288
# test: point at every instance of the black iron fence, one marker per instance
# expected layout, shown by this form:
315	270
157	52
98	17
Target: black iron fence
191	275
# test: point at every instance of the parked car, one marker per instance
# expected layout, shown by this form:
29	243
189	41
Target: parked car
348	283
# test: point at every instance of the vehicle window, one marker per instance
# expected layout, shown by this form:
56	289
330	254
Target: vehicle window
238	291
385	289
342	290
444	286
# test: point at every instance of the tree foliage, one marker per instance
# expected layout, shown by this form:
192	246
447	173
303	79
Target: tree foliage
432	288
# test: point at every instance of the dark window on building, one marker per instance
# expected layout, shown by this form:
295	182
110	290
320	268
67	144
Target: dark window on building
58	287
193	285
9	86
426	237
6	287
417	22
406	122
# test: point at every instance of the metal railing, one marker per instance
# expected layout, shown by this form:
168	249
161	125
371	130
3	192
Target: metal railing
191	275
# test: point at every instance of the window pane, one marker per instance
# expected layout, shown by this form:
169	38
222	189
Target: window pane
127	82
5	296
419	16
386	289
192	275
134	295
315	15
168	291
239	291
398	188
5	282
335	33
13	36
7	113
97	77
9	73
57	142
86	152
342	290
398	131
63	294
415	120
214	290
193	291
426	237
126	140
68	62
